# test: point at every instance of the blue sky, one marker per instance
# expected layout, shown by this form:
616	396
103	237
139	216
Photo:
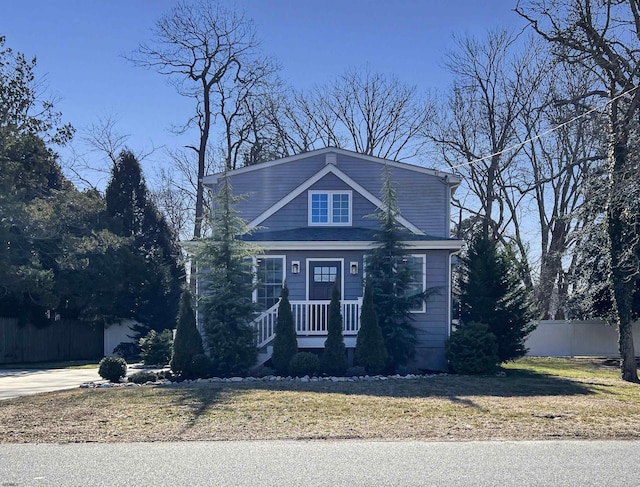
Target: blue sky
79	46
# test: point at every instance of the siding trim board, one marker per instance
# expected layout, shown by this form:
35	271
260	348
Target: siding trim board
329	169
452	245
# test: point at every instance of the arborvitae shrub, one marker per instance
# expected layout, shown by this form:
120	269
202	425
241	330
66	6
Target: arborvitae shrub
200	366
112	368
263	371
472	349
370	349
356	371
285	343
334	355
304	363
188	342
155	348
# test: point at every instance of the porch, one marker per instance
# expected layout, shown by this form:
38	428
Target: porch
311	319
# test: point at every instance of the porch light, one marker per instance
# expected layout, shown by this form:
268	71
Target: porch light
354	268
295	267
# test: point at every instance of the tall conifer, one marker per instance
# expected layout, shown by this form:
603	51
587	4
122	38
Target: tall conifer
226	282
285	344
334	355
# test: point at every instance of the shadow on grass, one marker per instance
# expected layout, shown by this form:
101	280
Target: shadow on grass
457	389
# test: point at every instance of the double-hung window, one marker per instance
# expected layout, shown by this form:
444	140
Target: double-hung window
329	208
417	267
270	275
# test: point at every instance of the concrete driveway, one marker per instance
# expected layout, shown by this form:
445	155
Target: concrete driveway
24	382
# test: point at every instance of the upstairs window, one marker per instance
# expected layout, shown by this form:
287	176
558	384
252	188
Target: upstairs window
329	207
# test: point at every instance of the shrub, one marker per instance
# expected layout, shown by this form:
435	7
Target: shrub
304	363
472	349
261	371
285	343
406	370
355	371
155	348
112	368
130	351
143	377
165	374
334	355
200	366
370	350
188	342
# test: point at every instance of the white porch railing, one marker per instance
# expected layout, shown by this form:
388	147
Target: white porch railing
311	318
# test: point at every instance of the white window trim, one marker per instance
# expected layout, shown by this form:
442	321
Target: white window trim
254	295
330	195
423	309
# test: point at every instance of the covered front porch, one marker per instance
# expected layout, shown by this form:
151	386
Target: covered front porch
311	319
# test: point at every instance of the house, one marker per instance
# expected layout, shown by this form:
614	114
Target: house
310	211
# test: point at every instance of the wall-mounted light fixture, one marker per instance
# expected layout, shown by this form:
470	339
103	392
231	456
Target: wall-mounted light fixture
354	268
295	267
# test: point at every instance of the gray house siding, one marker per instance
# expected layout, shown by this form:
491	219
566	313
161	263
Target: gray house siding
296	215
277	199
297	283
433	329
265	187
423	200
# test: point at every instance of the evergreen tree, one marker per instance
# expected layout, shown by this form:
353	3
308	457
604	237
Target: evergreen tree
153	276
334	355
226	280
285	344
370	349
492	293
187	342
390	277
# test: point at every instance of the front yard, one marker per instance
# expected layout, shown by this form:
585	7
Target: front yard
535	399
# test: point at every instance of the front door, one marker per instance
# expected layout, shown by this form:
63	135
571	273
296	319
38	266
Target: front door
323	276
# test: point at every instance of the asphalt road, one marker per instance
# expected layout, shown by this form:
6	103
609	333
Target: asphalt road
323	463
24	382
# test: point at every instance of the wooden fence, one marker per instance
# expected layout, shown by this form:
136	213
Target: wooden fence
62	340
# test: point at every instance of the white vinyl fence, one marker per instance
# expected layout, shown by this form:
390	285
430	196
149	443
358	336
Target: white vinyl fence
577	338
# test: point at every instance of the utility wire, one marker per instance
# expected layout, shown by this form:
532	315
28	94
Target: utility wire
546	132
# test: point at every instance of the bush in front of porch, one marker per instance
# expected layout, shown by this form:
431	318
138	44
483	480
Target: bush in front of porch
285	343
370	350
334	356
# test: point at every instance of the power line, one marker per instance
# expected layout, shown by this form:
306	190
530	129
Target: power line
546	132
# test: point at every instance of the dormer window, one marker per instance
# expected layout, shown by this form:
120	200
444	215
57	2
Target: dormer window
329	208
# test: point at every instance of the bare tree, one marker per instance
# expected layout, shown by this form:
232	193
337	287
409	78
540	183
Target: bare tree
242	112
495	82
370	113
199	45
604	36
562	143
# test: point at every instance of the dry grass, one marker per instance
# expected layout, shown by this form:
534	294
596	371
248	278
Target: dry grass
537	399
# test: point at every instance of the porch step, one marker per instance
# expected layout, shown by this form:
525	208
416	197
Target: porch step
264	354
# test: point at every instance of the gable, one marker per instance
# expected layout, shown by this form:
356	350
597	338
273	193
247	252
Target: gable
270	188
329	177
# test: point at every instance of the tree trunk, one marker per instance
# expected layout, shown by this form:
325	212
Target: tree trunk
623	284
